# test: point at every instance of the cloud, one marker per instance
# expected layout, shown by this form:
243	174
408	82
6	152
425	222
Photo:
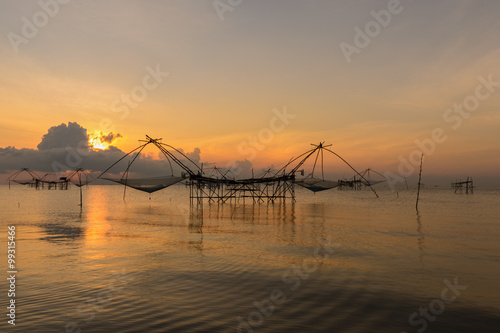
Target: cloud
195	156
110	137
56	159
65	148
62	136
242	169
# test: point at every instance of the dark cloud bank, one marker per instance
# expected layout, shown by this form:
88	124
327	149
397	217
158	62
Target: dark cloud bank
62	136
65	148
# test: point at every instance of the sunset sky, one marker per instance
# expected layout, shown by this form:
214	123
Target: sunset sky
225	73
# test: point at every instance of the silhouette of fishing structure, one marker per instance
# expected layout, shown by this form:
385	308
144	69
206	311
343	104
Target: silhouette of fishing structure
460	185
78	178
153	184
29	182
37	182
356	183
217	185
81	178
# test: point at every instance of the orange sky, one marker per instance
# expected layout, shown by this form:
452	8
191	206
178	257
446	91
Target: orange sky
217	81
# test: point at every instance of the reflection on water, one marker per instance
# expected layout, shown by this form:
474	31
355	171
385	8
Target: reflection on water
57	233
97	226
196	226
421	239
200	268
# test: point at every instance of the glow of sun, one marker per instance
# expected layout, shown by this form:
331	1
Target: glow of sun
95	141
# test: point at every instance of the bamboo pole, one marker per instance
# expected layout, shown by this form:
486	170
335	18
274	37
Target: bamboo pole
419	180
80	182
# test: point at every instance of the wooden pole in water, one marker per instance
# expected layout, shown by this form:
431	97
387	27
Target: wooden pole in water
80	182
419	180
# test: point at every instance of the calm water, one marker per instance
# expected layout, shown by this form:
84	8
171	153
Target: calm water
336	261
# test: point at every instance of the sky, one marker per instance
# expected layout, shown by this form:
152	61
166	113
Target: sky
254	81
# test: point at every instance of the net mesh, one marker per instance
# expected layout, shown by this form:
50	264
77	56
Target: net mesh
372	182
81	179
149	185
317	184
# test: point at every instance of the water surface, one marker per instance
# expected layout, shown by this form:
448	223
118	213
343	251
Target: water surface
159	265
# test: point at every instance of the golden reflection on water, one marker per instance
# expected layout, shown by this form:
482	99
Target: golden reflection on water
206	265
269	236
96	225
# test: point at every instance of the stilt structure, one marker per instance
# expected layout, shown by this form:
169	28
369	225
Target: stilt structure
352	184
271	187
217	185
39	183
61	184
316	184
356	183
221	185
460	185
223	189
33	182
